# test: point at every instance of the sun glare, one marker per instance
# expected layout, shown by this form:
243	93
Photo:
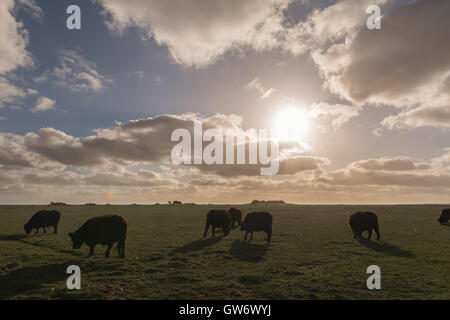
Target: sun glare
292	124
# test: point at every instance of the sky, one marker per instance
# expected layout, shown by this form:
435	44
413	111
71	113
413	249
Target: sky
87	115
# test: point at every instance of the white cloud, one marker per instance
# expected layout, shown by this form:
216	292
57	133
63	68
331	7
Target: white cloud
337	114
198	32
75	73
257	85
9	93
405	64
13	40
43	104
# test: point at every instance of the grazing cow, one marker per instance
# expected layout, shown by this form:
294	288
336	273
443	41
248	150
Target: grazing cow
364	221
257	221
445	216
43	219
218	219
236	216
103	230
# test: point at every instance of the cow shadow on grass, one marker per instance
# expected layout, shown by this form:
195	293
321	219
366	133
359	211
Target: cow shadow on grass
13	237
247	251
384	247
198	245
26	280
22	238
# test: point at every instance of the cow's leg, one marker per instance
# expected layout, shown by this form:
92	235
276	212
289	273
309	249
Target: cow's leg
206	230
269	236
251	236
55	227
121	248
214	231
108	249
37	230
91	250
245	238
45	231
377	231
370	234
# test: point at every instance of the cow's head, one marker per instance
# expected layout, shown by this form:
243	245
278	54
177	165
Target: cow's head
27	228
76	241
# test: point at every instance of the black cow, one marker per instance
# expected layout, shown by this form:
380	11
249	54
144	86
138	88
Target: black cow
218	219
236	216
257	221
104	230
364	221
445	216
43	219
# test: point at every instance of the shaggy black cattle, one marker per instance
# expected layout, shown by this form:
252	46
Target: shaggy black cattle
445	216
257	221
236	216
364	221
102	230
43	219
218	219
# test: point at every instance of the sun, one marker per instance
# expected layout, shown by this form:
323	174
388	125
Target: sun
292	123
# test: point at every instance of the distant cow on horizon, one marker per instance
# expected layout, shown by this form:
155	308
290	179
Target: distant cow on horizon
364	221
445	216
43	219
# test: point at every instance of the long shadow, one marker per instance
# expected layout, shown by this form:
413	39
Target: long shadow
387	248
21	238
248	252
28	279
198	245
13	237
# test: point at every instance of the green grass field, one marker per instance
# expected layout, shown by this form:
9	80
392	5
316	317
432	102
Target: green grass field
312	256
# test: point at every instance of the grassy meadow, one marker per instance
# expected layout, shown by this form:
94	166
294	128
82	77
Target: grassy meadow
312	255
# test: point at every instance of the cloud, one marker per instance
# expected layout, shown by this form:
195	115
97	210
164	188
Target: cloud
383	66
419	117
388	171
337	114
143	140
256	85
9	93
390	164
288	166
405	64
13	43
15	156
330	25
75	73
43	104
197	33
31	8
13	40
139	75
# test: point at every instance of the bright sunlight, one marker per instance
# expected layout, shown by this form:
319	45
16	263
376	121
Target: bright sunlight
292	123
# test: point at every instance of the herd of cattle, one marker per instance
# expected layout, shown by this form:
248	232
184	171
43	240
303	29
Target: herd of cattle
107	230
